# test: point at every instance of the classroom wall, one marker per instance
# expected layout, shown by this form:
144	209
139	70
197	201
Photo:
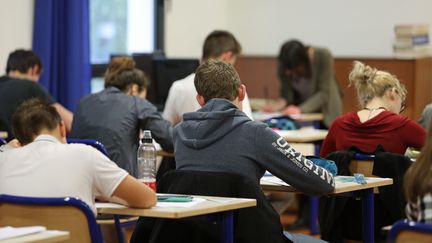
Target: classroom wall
16	27
347	28
188	22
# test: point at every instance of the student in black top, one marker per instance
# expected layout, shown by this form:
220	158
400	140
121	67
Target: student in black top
23	70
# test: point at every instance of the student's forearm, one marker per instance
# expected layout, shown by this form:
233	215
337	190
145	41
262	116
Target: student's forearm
135	193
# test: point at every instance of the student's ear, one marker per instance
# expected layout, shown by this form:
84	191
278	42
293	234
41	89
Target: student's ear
392	94
227	56
200	100
34	73
62	131
242	92
133	90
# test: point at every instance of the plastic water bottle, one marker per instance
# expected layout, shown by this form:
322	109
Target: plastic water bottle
147	161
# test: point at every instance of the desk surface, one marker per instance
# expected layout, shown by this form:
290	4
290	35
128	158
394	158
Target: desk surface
210	205
42	237
3	134
272	183
307	117
306	135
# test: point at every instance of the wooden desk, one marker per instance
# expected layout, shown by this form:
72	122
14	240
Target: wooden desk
221	205
365	191
40	237
303	135
307	117
164	153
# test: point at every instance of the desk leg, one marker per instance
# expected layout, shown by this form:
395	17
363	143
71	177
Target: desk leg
368	216
313	217
118	229
227	224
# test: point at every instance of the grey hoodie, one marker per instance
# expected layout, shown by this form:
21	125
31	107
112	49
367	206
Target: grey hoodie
219	137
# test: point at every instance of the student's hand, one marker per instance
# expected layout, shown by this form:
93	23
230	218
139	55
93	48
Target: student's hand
292	110
274	106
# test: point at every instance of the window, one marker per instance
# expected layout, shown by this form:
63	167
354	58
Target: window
121	27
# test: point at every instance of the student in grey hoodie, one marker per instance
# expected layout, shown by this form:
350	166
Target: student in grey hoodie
220	137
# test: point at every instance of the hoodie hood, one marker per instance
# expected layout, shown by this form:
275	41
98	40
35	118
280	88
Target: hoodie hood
209	124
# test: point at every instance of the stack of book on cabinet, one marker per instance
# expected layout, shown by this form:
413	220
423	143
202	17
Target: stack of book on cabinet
411	41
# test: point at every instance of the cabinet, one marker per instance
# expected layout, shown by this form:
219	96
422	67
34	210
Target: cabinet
258	73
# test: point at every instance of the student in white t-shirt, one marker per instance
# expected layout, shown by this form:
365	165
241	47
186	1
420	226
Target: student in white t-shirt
220	45
45	166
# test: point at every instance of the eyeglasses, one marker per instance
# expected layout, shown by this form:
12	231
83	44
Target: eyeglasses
403	106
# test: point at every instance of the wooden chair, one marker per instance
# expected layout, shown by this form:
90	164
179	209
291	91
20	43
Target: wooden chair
67	214
363	163
404	231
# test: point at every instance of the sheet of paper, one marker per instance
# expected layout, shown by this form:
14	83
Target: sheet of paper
274	180
109	205
11	232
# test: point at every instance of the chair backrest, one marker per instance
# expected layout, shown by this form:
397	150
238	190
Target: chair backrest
65	213
404	231
94	143
362	163
255	224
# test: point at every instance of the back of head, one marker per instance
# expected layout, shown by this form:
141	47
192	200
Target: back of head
370	83
31	117
217	79
121	73
219	42
22	60
293	54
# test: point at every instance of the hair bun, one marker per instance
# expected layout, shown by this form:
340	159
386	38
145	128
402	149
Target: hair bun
119	65
362	74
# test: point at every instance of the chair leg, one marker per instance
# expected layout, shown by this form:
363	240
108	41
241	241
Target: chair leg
118	229
313	217
368	216
227	227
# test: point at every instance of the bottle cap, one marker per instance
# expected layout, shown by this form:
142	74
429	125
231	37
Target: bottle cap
147	138
147	134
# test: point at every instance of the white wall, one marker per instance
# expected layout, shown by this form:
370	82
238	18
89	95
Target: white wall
347	28
16	27
188	22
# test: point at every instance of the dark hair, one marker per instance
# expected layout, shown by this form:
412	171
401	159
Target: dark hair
293	54
121	73
218	42
217	79
22	60
31	117
418	177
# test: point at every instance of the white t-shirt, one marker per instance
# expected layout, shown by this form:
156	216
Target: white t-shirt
48	168
182	99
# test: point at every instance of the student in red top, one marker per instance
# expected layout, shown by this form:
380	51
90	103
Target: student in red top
381	97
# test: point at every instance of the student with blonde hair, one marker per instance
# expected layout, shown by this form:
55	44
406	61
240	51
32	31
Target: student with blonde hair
378	122
115	115
418	185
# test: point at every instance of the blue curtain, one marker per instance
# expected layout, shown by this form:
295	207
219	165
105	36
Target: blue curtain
61	39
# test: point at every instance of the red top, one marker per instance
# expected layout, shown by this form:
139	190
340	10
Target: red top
394	132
